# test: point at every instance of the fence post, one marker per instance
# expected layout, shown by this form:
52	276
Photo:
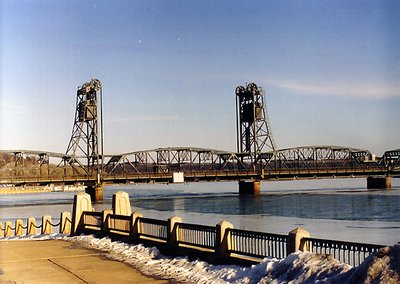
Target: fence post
8	229
31	226
65	223
104	219
19	226
82	202
295	241
46	225
1	230
121	204
135	229
223	242
172	232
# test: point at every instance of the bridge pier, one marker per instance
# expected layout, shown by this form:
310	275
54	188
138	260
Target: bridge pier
249	187
95	192
379	182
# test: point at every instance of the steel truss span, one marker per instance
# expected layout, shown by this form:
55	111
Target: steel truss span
158	165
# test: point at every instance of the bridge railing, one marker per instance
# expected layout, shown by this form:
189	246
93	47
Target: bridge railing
258	244
31	228
220	243
197	235
348	252
153	228
92	220
119	224
233	243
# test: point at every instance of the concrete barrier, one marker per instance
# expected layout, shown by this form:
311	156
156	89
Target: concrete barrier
31	226
19	227
82	202
8	231
65	223
121	204
172	238
295	240
47	227
223	244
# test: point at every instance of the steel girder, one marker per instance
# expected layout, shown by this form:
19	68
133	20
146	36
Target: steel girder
49	166
392	158
166	160
317	157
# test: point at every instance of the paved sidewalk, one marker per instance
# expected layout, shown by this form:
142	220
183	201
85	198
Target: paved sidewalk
57	261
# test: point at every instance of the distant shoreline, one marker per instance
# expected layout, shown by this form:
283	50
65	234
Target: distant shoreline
38	189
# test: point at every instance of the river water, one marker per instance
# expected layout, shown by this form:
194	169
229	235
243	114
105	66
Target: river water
339	209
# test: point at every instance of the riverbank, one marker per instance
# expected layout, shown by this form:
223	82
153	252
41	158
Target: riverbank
39	189
59	261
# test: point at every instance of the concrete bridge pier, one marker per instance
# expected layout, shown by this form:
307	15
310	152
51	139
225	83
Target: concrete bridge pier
95	192
379	182
249	187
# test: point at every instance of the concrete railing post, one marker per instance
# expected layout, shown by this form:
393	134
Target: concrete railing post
8	229
121	204
223	240
172	227
46	225
31	226
82	202
1	230
19	227
296	242
104	215
65	223
135	229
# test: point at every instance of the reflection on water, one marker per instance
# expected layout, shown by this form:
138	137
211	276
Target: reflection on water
322	206
330	199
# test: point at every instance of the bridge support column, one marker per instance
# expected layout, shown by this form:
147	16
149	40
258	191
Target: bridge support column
249	187
95	192
379	182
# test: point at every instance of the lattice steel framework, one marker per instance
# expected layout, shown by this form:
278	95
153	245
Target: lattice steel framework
168	160
19	166
317	157
254	134
392	158
86	141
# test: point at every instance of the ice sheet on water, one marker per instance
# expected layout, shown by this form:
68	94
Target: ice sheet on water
299	267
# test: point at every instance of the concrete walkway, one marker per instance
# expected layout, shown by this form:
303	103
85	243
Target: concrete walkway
57	261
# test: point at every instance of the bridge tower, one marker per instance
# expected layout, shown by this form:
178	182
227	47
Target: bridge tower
85	148
254	134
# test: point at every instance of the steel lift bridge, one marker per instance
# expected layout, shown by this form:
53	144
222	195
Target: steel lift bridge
256	159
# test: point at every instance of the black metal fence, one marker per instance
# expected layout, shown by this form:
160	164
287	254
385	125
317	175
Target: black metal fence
153	228
197	235
258	244
347	252
224	242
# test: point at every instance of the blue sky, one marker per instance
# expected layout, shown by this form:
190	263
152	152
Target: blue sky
330	70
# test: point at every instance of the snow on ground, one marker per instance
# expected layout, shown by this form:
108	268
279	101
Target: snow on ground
299	267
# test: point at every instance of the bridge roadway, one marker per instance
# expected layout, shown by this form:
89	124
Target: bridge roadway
203	176
197	164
